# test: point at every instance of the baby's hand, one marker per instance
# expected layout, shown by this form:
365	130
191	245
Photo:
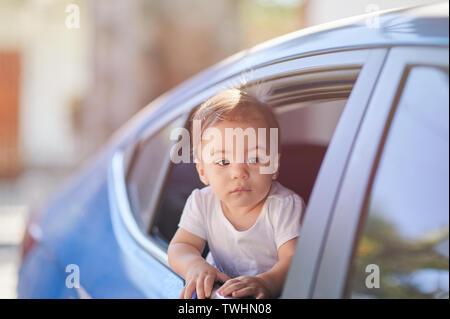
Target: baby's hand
245	286
201	277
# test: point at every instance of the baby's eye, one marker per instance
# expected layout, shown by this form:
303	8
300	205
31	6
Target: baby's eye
223	162
253	160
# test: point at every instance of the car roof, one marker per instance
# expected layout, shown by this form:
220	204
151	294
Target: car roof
416	26
420	25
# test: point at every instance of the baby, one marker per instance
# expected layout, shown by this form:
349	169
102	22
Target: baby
249	220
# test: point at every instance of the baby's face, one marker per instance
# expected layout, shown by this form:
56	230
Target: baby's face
236	179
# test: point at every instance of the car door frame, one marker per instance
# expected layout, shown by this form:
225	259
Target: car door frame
351	203
370	61
303	270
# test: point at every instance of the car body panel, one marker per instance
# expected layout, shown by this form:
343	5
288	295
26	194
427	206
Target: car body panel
142	259
79	232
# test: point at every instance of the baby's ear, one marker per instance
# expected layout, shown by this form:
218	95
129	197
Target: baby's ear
201	173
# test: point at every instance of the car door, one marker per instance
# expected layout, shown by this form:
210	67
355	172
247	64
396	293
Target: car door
388	236
146	214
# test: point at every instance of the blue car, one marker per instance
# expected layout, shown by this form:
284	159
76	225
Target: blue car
364	114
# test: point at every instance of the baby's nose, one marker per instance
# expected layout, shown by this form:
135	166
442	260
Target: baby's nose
239	170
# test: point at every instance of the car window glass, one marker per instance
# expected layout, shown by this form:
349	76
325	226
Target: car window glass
148	164
403	250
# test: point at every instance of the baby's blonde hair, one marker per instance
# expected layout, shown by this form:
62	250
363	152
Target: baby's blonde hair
232	105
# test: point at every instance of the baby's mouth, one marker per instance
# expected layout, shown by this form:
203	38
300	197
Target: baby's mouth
240	190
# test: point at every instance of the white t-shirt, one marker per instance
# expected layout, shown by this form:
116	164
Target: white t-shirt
249	252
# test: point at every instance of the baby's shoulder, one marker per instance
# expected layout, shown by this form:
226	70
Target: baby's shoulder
279	193
283	199
203	197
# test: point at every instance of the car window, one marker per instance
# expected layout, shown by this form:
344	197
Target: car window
403	247
308	114
148	163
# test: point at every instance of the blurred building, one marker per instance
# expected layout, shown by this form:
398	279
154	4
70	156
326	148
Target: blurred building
140	49
44	70
143	48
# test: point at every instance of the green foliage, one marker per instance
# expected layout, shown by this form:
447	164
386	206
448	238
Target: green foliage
397	259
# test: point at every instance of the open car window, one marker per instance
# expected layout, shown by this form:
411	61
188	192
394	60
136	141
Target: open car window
308	108
310	96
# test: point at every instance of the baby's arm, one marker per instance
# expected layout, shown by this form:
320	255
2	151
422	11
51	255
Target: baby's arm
186	260
265	285
276	276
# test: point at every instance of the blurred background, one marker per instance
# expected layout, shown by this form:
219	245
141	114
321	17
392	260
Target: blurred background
72	72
